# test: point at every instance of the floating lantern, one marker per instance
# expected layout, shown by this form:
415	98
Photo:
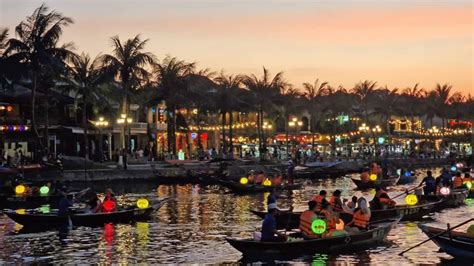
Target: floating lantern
459	165
468	184
373	177
411	199
454	168
267	182
244	180
20	189
407	174
445	191
142	203
21	211
44	190
340	225
318	226
108	205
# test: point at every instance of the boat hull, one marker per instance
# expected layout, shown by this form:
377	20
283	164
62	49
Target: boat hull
458	245
374	184
239	188
333	245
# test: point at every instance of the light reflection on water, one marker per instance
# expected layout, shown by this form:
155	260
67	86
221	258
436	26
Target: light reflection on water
192	228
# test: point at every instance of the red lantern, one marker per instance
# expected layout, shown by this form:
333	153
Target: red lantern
108	205
204	135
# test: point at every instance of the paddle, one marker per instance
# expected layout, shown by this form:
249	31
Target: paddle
406	191
439	234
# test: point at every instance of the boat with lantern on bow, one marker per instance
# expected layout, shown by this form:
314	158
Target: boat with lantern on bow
39	218
32	201
287	219
387	182
237	187
298	246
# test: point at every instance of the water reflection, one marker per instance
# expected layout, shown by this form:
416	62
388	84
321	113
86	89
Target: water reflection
192	227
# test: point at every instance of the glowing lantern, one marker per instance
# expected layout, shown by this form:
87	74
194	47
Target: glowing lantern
407	174
20	189
244	180
411	199
44	190
318	226
108	205
445	191
44	209
373	177
470	230
21	211
142	203
340	225
399	172
459	165
267	182
454	168
468	184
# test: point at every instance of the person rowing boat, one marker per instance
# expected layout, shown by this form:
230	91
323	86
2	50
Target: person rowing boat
381	200
269	226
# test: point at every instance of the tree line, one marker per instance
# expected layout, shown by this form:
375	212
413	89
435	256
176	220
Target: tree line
130	74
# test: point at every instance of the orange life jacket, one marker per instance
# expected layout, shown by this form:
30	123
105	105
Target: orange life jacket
360	219
259	179
335	204
467	179
276	181
306	219
319	201
457	182
331	221
364	177
387	202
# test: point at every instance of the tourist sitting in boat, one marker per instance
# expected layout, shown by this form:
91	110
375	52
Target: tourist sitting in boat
277	180
429	183
319	199
331	219
95	205
457	181
445	178
306	219
109	197
350	206
260	178
375	169
381	200
361	217
335	202
251	177
269	231
64	204
364	177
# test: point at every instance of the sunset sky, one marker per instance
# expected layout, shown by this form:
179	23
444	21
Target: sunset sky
396	43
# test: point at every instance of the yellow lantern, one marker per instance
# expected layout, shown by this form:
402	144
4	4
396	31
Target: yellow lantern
142	203
244	180
411	199
445	191
468	184
340	225
373	177
21	211
267	182
20	189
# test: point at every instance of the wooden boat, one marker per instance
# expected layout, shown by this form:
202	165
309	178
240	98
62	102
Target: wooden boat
290	220
332	245
12	201
319	172
239	188
392	181
456	244
49	220
454	199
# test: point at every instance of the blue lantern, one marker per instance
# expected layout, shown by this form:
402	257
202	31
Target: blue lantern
407	173
454	168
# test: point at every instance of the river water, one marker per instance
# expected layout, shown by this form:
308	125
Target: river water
192	228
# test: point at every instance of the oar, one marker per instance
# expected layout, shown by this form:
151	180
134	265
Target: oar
406	191
435	236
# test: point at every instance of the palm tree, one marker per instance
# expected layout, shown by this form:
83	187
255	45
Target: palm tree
129	62
3	46
414	96
313	94
264	90
287	102
228	100
86	78
443	98
364	92
388	105
171	76
36	49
